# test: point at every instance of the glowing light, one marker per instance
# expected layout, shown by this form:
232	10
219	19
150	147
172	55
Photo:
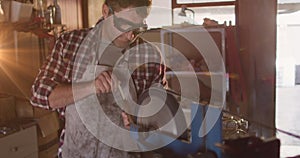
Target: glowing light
14	76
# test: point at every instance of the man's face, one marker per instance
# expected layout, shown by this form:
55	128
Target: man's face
127	24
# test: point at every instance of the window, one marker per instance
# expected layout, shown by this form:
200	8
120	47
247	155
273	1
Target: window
219	13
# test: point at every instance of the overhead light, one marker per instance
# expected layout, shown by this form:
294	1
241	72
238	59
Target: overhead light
183	12
287	8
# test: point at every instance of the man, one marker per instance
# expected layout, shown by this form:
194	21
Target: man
54	86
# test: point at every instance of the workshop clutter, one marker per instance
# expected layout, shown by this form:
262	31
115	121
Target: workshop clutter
48	126
16	11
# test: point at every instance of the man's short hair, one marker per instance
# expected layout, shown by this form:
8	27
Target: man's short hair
117	5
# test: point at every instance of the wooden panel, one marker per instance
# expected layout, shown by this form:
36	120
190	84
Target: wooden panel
7	108
71	13
94	11
256	20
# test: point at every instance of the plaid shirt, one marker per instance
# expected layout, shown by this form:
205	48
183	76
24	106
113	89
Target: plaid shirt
59	66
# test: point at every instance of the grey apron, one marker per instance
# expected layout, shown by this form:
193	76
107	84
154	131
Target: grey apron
79	142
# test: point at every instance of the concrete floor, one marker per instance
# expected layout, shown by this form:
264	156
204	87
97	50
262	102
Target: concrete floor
287	119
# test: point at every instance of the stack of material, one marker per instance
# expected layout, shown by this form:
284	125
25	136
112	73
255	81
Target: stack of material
48	126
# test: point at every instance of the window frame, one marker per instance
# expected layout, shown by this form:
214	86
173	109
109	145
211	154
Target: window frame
204	4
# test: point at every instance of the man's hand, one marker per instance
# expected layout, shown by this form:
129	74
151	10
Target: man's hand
125	120
103	82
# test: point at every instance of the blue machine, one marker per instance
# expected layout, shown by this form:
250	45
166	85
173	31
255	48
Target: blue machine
206	131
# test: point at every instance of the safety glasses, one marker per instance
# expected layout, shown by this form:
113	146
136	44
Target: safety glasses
125	25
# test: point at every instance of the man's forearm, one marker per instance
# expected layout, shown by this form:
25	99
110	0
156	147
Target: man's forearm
62	95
